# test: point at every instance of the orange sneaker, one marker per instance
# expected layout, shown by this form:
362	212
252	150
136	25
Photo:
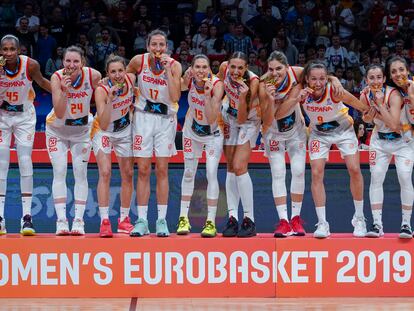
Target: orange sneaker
105	231
125	226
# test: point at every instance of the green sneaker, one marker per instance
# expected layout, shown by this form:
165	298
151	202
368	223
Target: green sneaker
209	230
162	228
183	226
140	228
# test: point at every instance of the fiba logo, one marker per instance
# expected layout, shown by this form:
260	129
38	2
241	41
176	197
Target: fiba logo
274	145
105	141
52	143
315	146
188	145
137	142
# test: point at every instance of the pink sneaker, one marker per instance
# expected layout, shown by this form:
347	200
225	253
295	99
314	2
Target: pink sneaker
125	226
283	229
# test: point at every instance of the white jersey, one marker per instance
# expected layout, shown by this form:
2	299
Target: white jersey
17	93
287	126
325	113
153	88
408	107
195	119
77	117
232	91
121	106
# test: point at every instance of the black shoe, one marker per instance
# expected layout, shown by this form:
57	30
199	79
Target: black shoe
247	228
232	227
406	232
27	228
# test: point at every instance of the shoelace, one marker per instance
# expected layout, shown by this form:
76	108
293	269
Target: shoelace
209	225
181	222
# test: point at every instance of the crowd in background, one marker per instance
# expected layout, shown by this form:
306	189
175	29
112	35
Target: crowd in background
347	35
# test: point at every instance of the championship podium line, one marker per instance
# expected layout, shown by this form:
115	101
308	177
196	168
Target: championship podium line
191	266
40	156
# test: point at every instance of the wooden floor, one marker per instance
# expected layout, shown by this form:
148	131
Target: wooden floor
245	304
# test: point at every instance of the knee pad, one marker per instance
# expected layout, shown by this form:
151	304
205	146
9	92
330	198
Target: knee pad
297	184
376	192
190	169
212	185
80	173
278	169
24	155
4	162
406	184
26	184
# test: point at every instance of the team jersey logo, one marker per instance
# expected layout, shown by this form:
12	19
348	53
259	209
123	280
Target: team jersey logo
315	146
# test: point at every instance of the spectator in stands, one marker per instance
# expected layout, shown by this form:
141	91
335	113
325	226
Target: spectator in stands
215	66
262	60
185	60
58	27
142	16
322	28
25	36
299	35
248	9
55	62
253	67
85	17
264	25
301	59
184	28
182	47
282	43
103	49
123	28
320	54
362	134
347	22
351	84
239	42
44	47
140	39
299	10
211	16
384	52
405	32
199	38
392	21
34	22
224	21
86	47
207	45
336	55
94	34
399	47
219	48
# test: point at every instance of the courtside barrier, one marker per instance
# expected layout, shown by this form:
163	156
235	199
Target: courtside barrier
190	266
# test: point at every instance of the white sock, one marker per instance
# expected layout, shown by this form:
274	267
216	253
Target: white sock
211	213
162	211
79	211
104	212
142	211
377	216
359	208
60	211
2	201
27	205
321	213
296	208
124	213
282	211
245	186
406	217
232	193
184	208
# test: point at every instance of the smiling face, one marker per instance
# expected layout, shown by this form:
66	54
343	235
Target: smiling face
399	73
10	50
201	69
72	63
317	79
116	72
375	79
237	68
277	71
157	45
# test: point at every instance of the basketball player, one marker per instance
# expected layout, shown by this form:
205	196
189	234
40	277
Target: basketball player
388	113
68	127
154	126
112	130
330	124
201	131
18	117
241	116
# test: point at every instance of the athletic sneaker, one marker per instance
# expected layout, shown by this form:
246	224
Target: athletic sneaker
78	227
125	226
62	227
2	226
183	226
360	227
283	229
406	232
375	232
105	231
297	226
232	228
209	230
161	228
322	230
140	228
27	228
247	228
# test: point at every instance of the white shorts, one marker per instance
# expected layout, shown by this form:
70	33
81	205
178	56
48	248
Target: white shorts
121	142
193	145
381	152
239	134
21	124
296	145
153	133
58	147
344	139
